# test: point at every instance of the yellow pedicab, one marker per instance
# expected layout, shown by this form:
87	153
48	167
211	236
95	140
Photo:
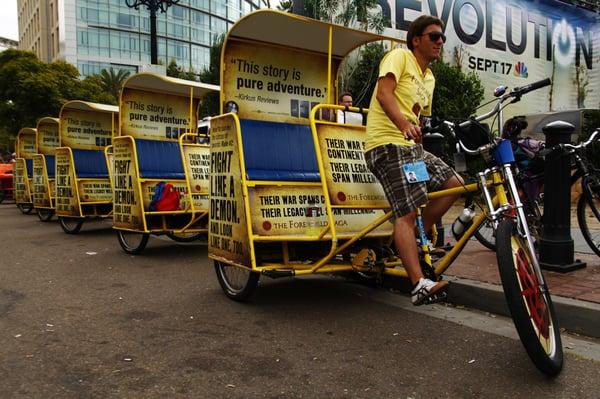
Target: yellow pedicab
83	190
271	209
291	194
158	146
26	148
44	168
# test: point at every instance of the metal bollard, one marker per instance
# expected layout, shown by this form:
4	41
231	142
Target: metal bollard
556	245
434	143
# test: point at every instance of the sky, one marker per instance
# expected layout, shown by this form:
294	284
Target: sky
9	22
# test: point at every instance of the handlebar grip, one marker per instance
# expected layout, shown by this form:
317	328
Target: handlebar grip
533	86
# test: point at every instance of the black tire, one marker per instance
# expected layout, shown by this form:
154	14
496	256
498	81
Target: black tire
45	214
238	283
70	225
531	309
131	242
588	217
185	237
25	209
2	195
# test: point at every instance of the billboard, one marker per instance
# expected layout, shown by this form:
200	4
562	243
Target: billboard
517	42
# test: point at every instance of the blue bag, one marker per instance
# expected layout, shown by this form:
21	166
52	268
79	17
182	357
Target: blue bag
158	194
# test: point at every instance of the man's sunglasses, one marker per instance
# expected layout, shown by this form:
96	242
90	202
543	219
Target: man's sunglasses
435	36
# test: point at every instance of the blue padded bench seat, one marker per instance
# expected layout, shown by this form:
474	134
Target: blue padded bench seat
159	159
90	164
50	165
279	151
29	166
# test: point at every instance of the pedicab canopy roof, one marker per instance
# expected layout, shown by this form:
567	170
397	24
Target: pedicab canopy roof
157	107
168	85
290	30
87	126
47	135
26	143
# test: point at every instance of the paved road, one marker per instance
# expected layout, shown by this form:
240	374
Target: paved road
74	324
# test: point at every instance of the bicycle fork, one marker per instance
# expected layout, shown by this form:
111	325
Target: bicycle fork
505	205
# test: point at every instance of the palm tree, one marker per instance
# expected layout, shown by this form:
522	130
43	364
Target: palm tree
112	81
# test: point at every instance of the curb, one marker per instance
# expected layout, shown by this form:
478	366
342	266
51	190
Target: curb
574	315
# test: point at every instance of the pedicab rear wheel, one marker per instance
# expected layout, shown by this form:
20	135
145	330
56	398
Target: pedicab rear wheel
70	225
184	237
2	194
25	209
45	214
530	306
238	283
132	243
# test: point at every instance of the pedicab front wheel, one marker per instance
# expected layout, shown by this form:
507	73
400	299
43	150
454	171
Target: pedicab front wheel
530	305
238	283
132	243
70	225
25	209
185	237
45	214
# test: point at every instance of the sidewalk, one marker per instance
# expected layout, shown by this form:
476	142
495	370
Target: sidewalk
475	282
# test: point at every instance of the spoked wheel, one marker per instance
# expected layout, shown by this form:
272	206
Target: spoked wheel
25	208
70	225
486	234
238	283
45	214
185	237
530	305
588	216
132	243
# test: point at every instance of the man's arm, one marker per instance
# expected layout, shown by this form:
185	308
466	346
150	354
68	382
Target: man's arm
387	100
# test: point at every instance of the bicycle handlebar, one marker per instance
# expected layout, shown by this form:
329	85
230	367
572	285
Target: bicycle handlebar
519	91
581	145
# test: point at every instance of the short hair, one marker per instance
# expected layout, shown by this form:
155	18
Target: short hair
417	27
346	93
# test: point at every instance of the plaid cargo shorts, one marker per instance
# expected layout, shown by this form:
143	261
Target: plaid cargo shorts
386	161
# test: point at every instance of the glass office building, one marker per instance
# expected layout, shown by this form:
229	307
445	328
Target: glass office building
99	34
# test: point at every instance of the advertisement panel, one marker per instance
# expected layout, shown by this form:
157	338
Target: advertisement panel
94	190
349	181
301	211
41	194
85	130
21	182
127	204
197	163
67	202
514	43
275	84
47	137
228	232
27	146
164	117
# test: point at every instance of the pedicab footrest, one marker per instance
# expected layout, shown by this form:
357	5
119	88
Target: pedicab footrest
159	159
278	273
90	164
279	151
50	165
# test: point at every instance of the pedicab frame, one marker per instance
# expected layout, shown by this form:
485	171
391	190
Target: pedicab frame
284	222
43	168
83	190
26	148
159	116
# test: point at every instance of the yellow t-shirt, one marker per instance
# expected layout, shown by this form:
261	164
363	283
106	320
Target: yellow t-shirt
414	94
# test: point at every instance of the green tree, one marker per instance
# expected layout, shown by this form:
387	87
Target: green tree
112	81
452	103
285	5
30	89
361	77
212	75
177	71
347	13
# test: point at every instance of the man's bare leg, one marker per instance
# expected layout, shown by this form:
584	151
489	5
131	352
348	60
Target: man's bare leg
406	246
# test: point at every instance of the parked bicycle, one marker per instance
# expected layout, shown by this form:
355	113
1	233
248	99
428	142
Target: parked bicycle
530	181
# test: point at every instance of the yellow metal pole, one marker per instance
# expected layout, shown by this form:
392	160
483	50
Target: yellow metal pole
330	45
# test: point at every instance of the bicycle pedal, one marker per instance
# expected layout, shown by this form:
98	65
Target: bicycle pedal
436	298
